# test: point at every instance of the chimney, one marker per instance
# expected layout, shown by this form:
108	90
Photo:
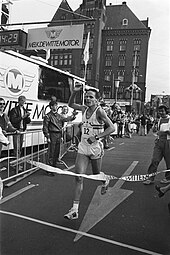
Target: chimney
124	3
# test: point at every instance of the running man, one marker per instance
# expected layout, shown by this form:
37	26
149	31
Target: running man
90	148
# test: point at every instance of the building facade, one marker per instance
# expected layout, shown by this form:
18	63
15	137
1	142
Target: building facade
118	50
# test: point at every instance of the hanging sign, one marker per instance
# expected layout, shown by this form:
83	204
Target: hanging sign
58	37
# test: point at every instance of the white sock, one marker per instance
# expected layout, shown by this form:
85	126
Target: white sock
76	205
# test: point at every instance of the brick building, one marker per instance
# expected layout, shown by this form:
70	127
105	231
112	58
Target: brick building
118	49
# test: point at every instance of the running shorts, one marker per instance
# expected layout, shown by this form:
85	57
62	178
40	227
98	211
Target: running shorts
93	151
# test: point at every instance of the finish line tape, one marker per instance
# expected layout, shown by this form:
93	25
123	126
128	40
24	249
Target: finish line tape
99	177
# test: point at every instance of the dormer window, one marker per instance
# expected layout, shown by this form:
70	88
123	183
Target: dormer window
125	22
63	17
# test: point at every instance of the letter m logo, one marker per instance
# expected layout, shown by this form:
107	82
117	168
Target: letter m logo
14	81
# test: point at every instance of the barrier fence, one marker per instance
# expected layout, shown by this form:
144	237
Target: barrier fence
14	169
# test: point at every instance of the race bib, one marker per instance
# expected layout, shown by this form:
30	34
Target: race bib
87	131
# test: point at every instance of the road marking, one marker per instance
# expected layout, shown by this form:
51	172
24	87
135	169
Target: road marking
15	194
81	233
121	143
110	148
102	205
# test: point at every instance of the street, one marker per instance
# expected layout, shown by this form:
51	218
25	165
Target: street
130	219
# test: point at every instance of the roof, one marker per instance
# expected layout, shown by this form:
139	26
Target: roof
63	6
41	62
116	13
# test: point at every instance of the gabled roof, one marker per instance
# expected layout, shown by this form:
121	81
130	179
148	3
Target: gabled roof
116	13
64	5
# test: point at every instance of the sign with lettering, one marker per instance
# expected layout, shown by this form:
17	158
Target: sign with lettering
58	37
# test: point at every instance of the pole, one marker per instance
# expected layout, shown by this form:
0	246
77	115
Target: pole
85	71
116	96
116	88
0	10
133	80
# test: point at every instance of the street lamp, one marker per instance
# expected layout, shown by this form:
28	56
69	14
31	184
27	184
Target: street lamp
117	81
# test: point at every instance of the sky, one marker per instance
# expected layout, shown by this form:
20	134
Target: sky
158	12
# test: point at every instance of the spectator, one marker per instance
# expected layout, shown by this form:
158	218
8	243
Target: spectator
19	118
137	122
52	129
64	113
120	123
149	123
162	146
162	191
5	123
143	121
128	119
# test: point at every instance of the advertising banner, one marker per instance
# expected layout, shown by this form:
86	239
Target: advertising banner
58	37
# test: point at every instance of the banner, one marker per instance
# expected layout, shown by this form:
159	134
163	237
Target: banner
58	37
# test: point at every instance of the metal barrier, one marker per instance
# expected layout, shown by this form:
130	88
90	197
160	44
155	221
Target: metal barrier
14	169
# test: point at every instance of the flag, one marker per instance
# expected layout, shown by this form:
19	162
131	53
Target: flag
86	50
47	54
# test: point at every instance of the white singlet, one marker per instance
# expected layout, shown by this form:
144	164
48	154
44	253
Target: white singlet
91	127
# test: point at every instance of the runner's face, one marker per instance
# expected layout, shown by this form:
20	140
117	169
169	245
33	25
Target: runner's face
162	112
54	107
90	98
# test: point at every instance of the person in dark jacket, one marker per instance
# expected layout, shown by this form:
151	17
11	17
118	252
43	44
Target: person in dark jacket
5	123
143	121
52	129
19	118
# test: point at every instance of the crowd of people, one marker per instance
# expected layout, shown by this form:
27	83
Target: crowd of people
128	123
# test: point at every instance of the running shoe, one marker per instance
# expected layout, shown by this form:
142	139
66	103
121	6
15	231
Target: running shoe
71	215
59	162
148	182
165	181
160	193
105	186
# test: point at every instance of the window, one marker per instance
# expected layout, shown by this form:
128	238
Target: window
108	59
61	59
107	75
122	59
120	75
136	44
65	60
63	17
125	22
109	44
53	83
91	42
69	59
54	60
88	74
137	60
122	45
136	75
107	91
